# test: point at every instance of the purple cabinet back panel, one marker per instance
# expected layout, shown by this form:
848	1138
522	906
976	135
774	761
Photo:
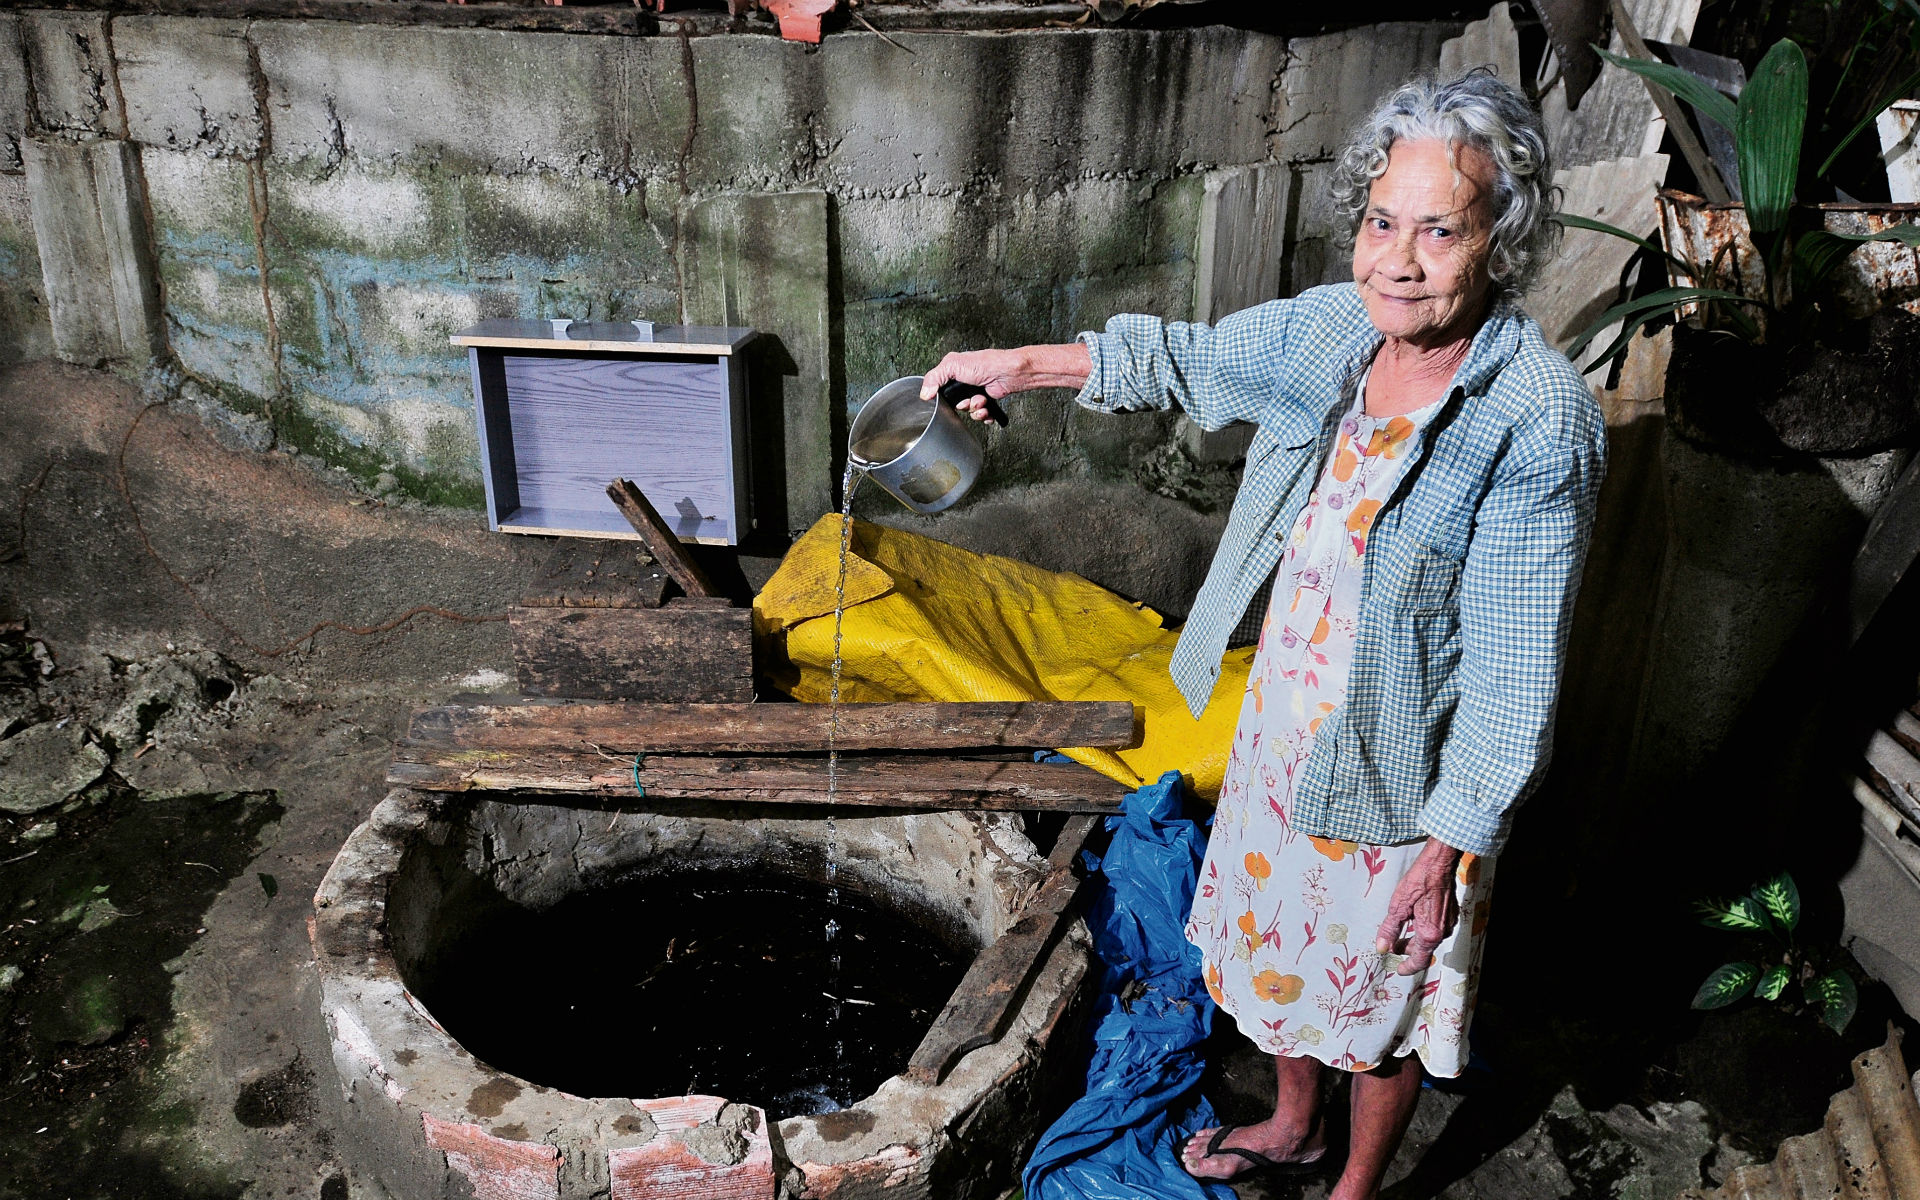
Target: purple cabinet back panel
577	423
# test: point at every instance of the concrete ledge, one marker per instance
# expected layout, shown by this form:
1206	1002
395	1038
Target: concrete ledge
419	1113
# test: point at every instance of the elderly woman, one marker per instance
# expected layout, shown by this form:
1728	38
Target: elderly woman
1420	489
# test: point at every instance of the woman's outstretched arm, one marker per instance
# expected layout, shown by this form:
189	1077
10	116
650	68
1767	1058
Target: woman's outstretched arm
1004	372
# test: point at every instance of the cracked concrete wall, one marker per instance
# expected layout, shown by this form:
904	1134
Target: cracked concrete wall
398	183
72	89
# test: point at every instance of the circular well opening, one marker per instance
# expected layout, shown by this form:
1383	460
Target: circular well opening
675	959
757	986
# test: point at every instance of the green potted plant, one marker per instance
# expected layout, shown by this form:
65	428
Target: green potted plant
1778	967
1771	361
1786	417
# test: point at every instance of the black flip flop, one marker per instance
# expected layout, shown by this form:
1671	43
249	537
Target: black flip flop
1260	1163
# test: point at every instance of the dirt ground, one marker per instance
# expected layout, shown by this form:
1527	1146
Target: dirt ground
158	921
158	593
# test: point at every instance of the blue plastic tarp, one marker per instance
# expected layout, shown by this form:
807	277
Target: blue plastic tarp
1121	1141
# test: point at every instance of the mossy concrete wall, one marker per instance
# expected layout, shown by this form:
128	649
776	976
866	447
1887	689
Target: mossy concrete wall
327	202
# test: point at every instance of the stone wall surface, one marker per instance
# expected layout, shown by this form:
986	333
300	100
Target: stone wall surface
393	184
69	59
13	93
26	331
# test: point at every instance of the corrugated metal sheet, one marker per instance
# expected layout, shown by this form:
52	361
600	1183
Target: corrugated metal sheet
1869	1148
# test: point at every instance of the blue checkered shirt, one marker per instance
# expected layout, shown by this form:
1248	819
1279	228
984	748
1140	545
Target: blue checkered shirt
1471	567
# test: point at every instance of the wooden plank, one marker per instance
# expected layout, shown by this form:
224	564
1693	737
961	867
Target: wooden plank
679	652
1490	42
941	15
1585	281
981	1006
1906	731
894	782
779	728
1243	216
1616	117
609	534
506	333
646	522
600	573
595	345
501	14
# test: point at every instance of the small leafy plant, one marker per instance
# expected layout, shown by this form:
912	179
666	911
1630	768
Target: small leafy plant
1768	124
1772	910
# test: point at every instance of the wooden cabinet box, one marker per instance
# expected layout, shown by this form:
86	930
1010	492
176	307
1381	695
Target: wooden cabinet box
565	407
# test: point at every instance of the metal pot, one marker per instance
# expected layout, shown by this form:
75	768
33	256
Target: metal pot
922	452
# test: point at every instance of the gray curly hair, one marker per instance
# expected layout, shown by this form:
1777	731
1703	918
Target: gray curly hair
1478	110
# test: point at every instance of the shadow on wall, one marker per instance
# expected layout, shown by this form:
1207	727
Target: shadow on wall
1710	706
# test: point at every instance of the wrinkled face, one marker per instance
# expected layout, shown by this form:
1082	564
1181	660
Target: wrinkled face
1421	254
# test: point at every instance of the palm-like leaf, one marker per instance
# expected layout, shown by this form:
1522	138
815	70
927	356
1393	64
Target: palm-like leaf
1635	313
1819	252
1835	995
1770	118
1726	984
1742	913
1902	88
1781	899
1772	983
1685	84
1575	221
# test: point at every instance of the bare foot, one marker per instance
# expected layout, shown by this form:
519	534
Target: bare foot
1269	1139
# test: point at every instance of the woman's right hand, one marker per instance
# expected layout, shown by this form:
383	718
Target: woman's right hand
1003	372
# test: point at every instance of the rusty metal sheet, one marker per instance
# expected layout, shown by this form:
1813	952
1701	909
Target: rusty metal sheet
1716	236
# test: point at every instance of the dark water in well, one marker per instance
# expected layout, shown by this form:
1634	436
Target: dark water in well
699	982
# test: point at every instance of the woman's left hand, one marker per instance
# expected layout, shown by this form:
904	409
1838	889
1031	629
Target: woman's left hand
1425	901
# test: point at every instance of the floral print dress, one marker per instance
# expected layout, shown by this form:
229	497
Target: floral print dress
1284	920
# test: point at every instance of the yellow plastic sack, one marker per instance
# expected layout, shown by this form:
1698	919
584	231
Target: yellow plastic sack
926	621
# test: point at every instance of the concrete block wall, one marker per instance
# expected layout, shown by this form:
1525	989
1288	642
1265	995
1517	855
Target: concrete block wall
325	202
26	328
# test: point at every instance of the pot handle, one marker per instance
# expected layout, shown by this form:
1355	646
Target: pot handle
953	391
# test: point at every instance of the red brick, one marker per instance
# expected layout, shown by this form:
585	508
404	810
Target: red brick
498	1169
799	19
671	1114
891	1167
664	1169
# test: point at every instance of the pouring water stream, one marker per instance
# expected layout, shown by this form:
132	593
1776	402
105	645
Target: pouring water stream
956	462
847	484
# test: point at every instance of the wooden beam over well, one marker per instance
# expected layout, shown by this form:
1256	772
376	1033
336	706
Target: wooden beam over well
984	1002
890	782
778	728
